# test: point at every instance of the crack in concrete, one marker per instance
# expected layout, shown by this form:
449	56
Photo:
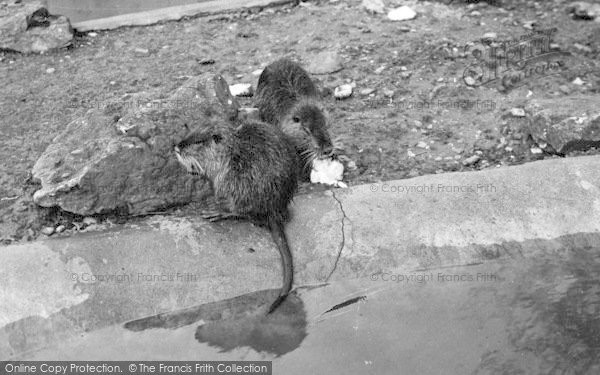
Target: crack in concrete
343	243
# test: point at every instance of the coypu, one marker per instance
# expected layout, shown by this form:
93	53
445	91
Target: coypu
287	97
253	170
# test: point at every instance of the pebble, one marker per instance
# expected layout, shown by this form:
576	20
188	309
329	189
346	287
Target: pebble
89	221
92	34
379	70
422	144
388	93
536	150
582	48
471	160
439	158
405	74
61	228
141	51
367	91
517	112
48	231
476	13
257	72
490	36
402	13
343	91
351	165
578	81
508	149
50	70
326	62
374	6
241	89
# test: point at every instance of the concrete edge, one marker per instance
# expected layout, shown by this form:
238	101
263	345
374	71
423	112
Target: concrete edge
175	13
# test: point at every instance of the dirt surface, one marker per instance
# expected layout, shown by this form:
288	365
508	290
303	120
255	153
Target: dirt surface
421	118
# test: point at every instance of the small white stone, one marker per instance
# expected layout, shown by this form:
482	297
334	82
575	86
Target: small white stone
50	70
536	150
89	221
578	81
92	34
410	154
422	144
388	93
367	91
403	13
517	112
490	36
48	231
343	91
257	72
60	229
471	160
241	89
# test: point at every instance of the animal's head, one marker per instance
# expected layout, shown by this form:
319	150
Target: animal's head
307	125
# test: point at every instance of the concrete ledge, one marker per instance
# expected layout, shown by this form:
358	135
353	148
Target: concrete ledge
54	289
173	13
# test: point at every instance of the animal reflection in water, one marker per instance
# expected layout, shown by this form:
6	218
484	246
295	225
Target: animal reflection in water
238	322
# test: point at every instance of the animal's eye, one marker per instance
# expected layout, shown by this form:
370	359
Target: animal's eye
296	119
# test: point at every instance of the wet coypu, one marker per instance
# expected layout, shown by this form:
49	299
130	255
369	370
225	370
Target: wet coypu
253	170
287	97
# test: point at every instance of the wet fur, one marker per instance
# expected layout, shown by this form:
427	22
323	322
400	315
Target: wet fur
287	97
253	172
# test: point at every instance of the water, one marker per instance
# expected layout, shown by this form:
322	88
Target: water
82	10
519	315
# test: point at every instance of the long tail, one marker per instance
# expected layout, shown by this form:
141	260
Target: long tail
287	266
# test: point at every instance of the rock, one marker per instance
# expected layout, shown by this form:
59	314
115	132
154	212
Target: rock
26	26
517	112
50	70
367	91
129	165
61	228
388	93
573	123
92	34
578	81
257	72
89	221
48	231
584	10
490	36
326	62
343	91
564	89
248	113
241	89
402	13
536	150
422	144
471	160
373	6
141	51
582	48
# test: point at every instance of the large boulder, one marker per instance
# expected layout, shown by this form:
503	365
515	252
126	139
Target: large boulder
121	158
564	125
26	26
